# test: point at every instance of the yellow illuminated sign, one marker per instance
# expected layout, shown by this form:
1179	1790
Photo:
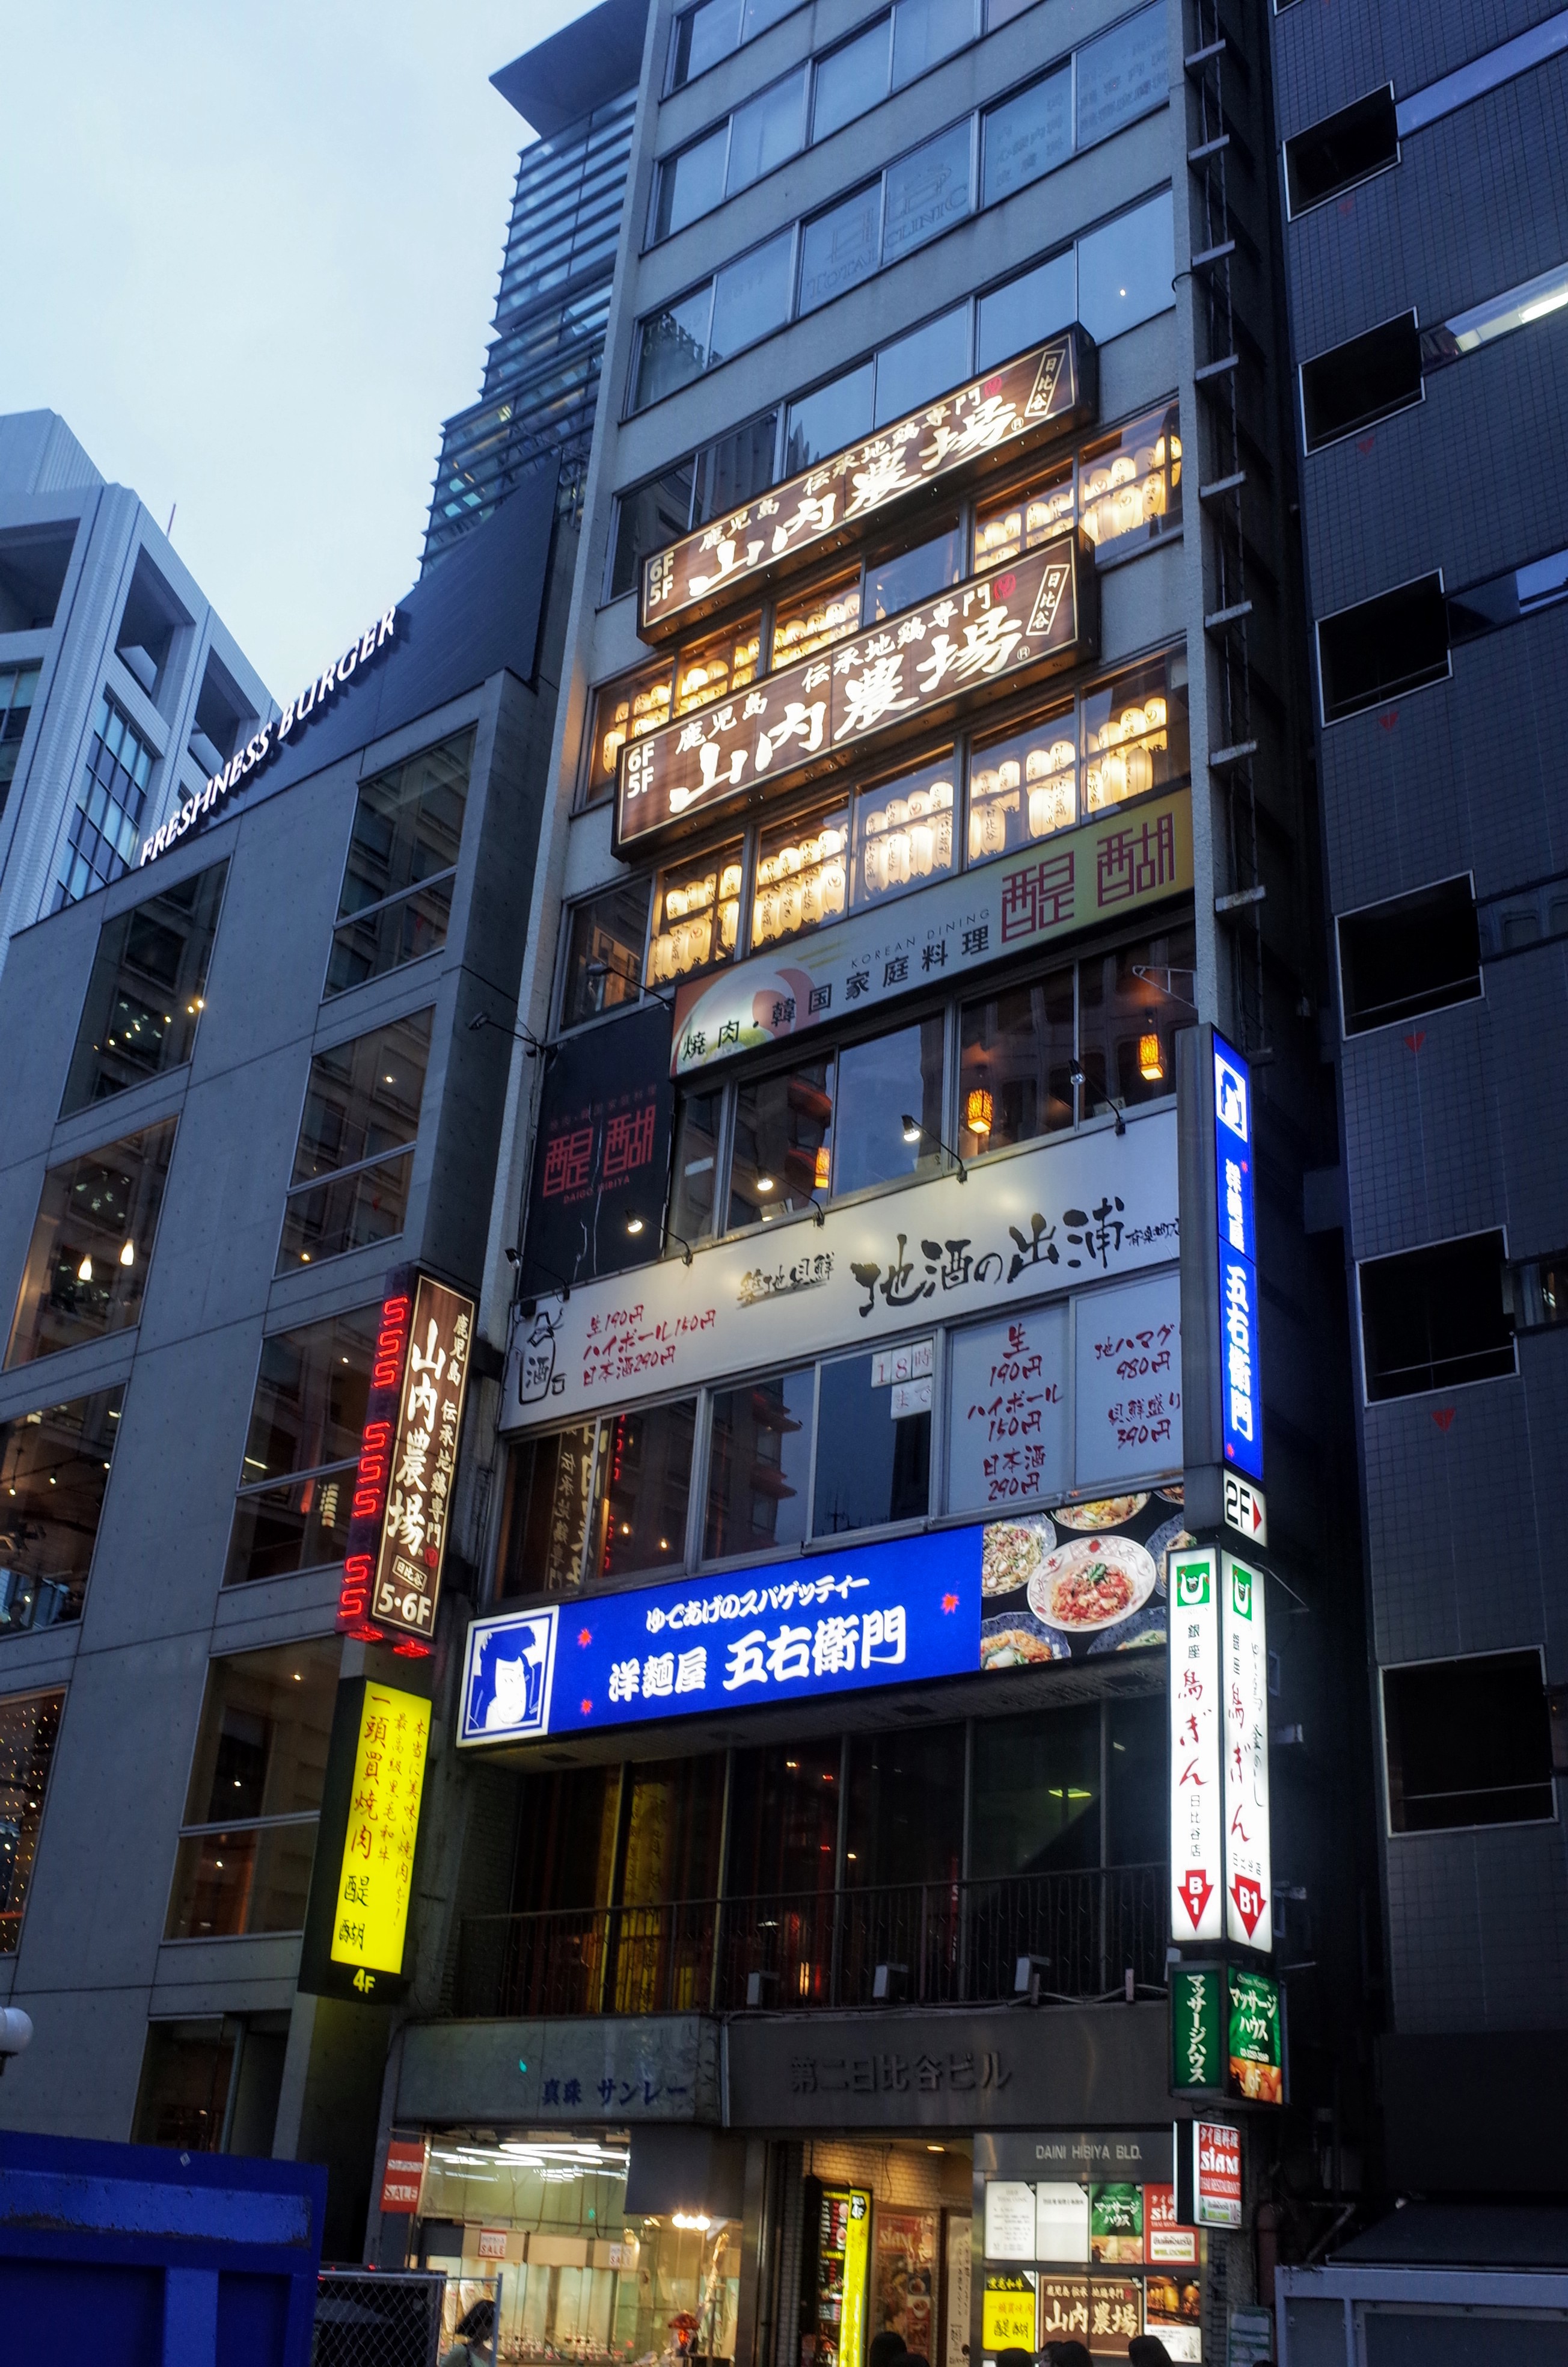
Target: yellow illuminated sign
371	1923
1006	2313
857	2248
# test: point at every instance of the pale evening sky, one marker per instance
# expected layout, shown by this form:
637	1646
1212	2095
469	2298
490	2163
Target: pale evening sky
251	256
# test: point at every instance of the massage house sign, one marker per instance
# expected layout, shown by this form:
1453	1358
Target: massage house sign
408	1461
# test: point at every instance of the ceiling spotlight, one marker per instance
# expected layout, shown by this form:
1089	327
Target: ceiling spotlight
634	1225
913	1129
766	1184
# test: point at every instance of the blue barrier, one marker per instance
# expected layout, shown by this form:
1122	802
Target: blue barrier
137	2257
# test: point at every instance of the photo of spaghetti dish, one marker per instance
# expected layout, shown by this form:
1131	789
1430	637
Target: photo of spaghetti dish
1102	1512
1091	1582
1013	1551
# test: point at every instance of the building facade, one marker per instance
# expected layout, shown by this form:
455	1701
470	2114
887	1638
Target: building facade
926	775
121	691
1426	325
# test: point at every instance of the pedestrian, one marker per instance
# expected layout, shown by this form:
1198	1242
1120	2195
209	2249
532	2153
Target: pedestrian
887	2348
474	2345
1069	2354
1148	2351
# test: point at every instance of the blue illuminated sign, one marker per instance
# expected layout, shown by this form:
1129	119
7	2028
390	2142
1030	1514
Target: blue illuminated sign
877	1614
1241	1380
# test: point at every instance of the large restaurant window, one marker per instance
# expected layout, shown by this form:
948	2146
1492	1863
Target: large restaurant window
545	1515
644	1476
249	1834
396	899
1129	1001
147	991
92	1244
29	1727
1016	1054
905	1807
54	1468
783	1818
297	1476
357	1136
1036	1790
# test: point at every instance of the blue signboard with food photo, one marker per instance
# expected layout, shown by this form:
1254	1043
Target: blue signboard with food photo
1080	1581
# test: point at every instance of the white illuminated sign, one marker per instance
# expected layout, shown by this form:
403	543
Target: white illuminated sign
1244	1652
266	744
1196	1813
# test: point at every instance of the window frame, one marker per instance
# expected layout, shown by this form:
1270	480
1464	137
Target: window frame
641	991
1371	419
1348	1035
1399	691
1295	212
1393	1832
1434	1388
243	1488
359	1166
464	734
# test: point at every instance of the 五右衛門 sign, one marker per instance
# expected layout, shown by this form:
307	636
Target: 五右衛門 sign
408	1460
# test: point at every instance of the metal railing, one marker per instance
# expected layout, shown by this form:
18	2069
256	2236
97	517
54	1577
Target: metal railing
933	1943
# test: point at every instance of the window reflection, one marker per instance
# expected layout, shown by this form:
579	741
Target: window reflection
402	854
29	1727
759	1466
55	1467
355	1156
1130	1003
783	1133
1015	1060
695	1168
907	577
643	1482
297	1476
870	1469
545	1517
881	1084
604	952
1035	1790
147	991
92	1243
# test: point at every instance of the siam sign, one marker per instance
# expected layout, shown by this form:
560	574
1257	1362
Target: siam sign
1047	391
1032	616
408	1459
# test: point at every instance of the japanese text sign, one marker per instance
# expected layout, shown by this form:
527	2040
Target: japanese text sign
1216	2173
1007	2310
1255	2052
1103	870
1244	1654
1196	1811
1085	1207
376	1875
403	2176
893	1614
602	1151
1031	617
408	1459
1044	392
1241	1392
1227	2033
1195	2033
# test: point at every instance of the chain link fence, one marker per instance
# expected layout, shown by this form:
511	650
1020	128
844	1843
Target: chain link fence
371	2318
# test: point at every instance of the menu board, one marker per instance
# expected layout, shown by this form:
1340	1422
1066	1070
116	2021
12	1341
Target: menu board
904	2295
1010	1435
1042	393
1109	2263
1127	1394
1010	2220
1008	2308
1029	617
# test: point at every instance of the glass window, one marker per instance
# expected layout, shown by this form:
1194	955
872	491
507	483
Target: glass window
361	1108
905	1809
1009	1436
760	1466
705	35
870	1469
1435	1317
802	875
604	952
697	914
674	347
766	130
648	518
1468	1743
55	1467
1122	75
1131	484
91	1243
243	1863
881	1084
927	362
927	192
1002	11
1125	270
1016	1050
1024	783
147	991
694	1167
783	1827
297	1475
926	31
107	823
403	858
734	469
752	297
1410	953
1035	1793
838	249
29	1726
814	619
182	2101
906	577
1025	518
828	420
711	669
674	1817
1126	1023
903	831
543	1521
691	183
783	1137
1135	733
1137	1832
17	686
850	79
623	710
1027	136
643	1482
1027	309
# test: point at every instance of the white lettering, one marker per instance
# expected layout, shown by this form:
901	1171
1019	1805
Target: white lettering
327	684
367	642
346	666
286	721
302	705
384	633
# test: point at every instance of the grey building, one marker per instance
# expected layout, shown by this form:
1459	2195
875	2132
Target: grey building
1427	340
250	1077
121	690
927	765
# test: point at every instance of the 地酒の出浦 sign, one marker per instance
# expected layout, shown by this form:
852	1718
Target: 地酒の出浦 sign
1046	391
408	1457
1031	617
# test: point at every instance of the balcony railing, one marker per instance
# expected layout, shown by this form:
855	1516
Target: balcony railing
940	1944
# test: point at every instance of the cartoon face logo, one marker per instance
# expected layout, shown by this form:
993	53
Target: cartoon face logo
510	1669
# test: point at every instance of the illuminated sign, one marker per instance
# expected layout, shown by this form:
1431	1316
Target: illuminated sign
844	2248
1196	1810
408	1459
376	1874
1196	2061
1255	2054
265	745
1044	392
1113	864
1031	617
1226	2033
1244	1655
1008	2307
1241	1393
1216	2173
